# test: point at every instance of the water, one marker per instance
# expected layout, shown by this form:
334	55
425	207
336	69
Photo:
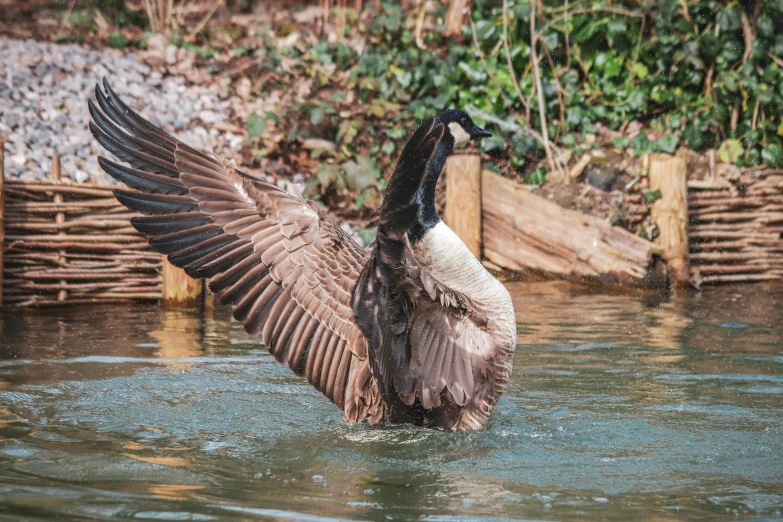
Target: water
621	407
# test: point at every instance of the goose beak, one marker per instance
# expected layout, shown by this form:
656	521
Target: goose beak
477	133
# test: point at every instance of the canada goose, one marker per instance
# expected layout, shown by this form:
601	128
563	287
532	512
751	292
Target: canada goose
415	331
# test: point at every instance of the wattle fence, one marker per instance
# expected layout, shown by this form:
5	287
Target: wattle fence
65	243
68	243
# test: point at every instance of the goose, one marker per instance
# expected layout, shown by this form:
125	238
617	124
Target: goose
413	331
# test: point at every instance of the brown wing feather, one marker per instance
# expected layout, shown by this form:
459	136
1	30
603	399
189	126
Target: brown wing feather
286	269
446	353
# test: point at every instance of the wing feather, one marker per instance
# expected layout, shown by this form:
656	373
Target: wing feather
447	352
287	270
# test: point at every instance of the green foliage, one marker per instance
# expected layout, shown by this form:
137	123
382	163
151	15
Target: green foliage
117	11
536	176
359	177
651	196
679	70
773	155
367	234
67	38
255	125
730	151
618	215
118	40
649	232
683	75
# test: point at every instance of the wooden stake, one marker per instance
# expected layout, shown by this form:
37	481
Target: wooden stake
178	288
59	219
455	16
668	174
463	199
2	216
580	166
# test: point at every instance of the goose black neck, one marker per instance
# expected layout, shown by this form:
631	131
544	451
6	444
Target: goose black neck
425	196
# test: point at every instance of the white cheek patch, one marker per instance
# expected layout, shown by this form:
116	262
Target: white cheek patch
461	137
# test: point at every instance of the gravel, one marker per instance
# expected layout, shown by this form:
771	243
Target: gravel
43	107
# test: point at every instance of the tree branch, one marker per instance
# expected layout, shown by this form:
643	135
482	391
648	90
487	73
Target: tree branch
539	88
525	101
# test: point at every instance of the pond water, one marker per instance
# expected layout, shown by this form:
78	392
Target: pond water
621	407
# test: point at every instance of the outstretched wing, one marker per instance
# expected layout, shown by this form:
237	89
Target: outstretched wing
284	267
382	305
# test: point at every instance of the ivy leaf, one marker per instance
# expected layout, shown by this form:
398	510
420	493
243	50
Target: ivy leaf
668	143
616	26
772	155
484	29
651	196
730	151
536	176
396	134
255	125
316	115
272	116
621	142
118	40
347	131
360	174
328	175
765	26
367	235
640	70
729	19
640	144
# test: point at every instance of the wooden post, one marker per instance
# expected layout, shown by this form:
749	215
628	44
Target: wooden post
463	199
668	174
59	219
2	216
178	288
455	16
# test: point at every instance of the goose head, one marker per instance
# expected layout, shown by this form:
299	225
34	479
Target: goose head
461	127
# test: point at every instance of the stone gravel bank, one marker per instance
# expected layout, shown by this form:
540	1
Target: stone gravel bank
44	89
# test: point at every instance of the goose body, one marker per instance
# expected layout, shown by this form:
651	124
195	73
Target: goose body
414	331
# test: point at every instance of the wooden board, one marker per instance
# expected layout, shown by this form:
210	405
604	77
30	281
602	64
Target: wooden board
523	231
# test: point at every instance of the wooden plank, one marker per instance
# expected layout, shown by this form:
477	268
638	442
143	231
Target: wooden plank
463	199
523	231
